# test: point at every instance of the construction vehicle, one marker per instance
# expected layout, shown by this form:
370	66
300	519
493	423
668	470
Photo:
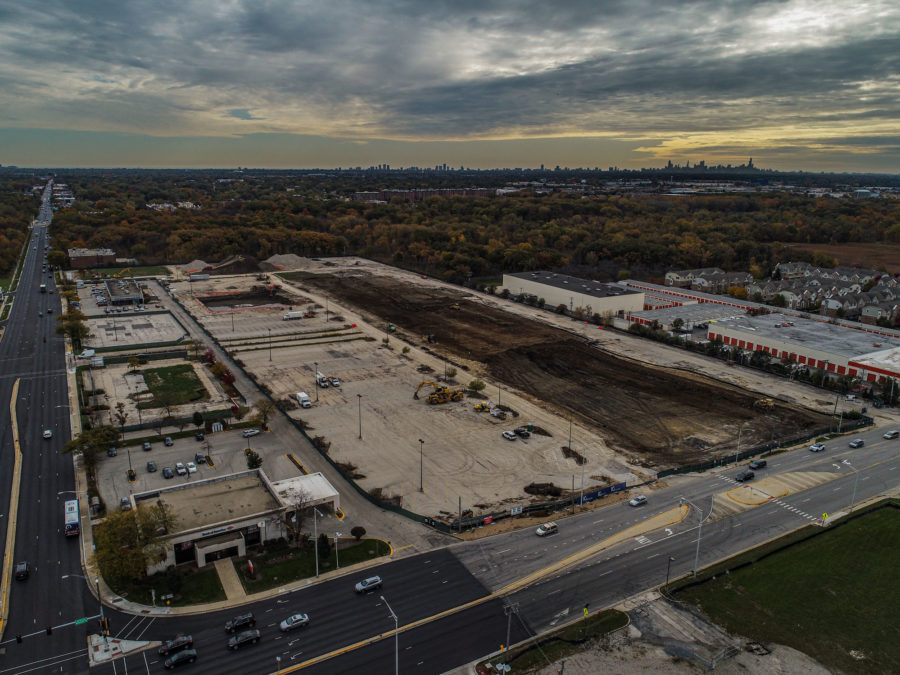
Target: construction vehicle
430	337
123	273
455	306
764	403
321	380
441	393
484	406
392	328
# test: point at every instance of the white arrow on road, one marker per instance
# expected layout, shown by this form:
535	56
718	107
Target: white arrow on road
668	532
294	656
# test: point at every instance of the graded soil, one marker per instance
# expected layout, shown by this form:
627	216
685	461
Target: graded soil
665	417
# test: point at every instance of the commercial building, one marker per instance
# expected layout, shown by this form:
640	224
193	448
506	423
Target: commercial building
220	517
124	292
81	258
592	297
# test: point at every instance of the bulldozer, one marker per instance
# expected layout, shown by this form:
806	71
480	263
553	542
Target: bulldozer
441	394
484	406
430	337
764	403
455	306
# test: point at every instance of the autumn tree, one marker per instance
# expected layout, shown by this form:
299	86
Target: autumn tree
264	409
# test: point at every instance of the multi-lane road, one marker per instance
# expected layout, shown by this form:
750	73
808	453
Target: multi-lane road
425	588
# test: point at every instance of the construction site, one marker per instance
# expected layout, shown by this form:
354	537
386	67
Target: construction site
386	359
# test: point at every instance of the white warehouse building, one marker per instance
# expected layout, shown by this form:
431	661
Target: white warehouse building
593	297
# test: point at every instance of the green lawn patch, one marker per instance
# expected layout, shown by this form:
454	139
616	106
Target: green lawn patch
188	585
572	639
832	596
283	565
175	385
146	271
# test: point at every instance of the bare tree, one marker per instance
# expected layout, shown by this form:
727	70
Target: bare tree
298	501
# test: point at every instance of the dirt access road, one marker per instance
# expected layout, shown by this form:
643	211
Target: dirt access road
665	417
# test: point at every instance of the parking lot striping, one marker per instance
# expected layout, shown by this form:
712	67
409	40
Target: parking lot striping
504	551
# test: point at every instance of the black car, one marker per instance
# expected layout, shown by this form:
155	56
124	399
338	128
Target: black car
180	658
745	476
241	621
169	442
23	570
200	458
199	436
758	464
151	466
176	644
248	637
146	446
167	472
522	432
857	443
112	452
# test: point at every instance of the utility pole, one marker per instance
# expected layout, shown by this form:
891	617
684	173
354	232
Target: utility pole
359	413
509	609
421	465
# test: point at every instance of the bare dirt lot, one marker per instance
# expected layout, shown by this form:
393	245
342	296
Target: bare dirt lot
667	417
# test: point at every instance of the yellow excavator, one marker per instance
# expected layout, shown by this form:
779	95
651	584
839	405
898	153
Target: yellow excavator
441	394
123	273
764	403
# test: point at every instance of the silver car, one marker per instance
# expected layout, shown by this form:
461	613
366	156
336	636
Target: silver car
294	621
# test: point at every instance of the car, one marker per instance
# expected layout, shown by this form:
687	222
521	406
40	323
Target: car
744	476
522	432
49	310
47	433
151	467
191	467
125	504
147	446
857	443
817	447
547	528
640	500
250	432
169	442
23	570
180	469
112	452
167	472
891	434
335	382
180	658
294	621
509	435
246	620
757	464
368	585
200	458
199	436
40	314
176	644
248	637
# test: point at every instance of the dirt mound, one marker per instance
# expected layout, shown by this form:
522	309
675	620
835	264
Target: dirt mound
670	417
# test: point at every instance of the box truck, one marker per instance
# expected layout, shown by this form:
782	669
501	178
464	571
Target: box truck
292	315
303	399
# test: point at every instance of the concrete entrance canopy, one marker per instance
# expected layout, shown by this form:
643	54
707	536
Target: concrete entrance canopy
205	551
312	489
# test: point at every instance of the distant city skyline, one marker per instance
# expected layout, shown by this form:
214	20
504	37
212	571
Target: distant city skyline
795	84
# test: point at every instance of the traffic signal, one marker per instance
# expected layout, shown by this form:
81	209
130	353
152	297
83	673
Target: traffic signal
49	630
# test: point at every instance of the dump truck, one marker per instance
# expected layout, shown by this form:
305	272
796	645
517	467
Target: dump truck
321	380
293	315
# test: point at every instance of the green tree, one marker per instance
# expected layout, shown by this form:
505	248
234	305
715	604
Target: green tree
358	532
198	419
477	385
254	461
264	409
121	416
324	546
127	542
134	363
92	441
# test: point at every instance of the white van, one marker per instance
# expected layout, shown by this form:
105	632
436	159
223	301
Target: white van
303	399
546	528
86	354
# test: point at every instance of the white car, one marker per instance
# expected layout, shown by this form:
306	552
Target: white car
510	435
335	382
294	621
191	467
640	500
891	434
180	469
369	584
547	528
250	432
48	433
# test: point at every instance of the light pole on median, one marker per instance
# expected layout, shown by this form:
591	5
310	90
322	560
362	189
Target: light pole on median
396	637
337	560
738	451
668	568
699	529
855	482
316	538
99	600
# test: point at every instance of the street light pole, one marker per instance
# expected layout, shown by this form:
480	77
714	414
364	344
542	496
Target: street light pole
668	568
316	379
270	344
316	538
359	413
421	465
855	483
738	452
396	637
699	529
337	561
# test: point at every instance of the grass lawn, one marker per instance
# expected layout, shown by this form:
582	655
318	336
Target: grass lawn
833	596
5	282
177	384
569	640
284	565
189	586
147	271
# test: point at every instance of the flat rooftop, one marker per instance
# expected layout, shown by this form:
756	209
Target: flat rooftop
595	289
828	337
884	362
223	499
690	314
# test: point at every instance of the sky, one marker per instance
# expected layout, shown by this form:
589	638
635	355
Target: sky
794	84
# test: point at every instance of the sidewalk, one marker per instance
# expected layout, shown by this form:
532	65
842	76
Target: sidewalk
234	590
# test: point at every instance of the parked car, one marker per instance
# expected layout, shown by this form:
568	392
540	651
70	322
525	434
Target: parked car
744	476
180	469
510	435
757	464
891	434
199	436
368	585
112	452
250	432
47	433
191	467
200	458
857	443
240	621
147	446
294	621
817	447
151	467
167	472
248	637
640	500
176	644
125	504
180	658
522	432
169	442
546	528
23	570
335	382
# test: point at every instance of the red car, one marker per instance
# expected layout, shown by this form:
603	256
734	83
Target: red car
176	644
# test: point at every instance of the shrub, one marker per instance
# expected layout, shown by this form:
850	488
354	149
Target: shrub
358	532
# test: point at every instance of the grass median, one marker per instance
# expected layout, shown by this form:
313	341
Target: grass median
832	596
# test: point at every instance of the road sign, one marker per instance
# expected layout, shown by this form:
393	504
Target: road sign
80	621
